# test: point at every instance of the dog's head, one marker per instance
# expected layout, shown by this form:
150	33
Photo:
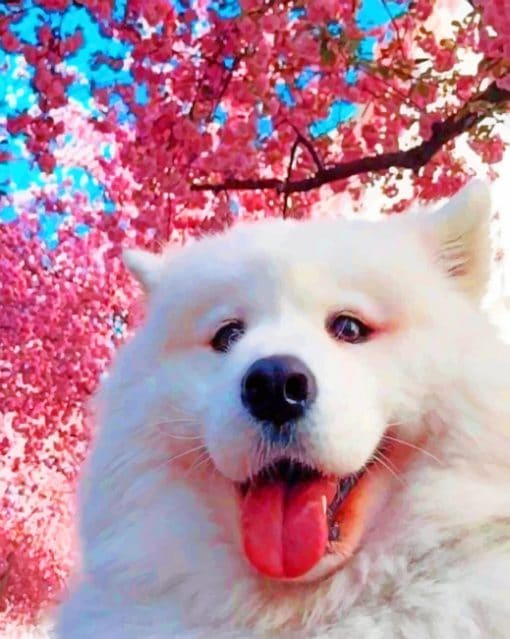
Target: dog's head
296	363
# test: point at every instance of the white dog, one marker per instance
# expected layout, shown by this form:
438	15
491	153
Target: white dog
309	437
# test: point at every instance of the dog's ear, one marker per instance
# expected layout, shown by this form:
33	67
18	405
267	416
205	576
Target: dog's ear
459	232
145	267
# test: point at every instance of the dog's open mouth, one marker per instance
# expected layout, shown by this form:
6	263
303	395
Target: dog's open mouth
289	517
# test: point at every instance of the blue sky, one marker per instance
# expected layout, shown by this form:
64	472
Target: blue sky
16	94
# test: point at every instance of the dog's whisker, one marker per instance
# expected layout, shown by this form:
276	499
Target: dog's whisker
382	453
178	420
420	449
385	463
181	436
394	424
186	452
174	408
203	459
185	437
163	428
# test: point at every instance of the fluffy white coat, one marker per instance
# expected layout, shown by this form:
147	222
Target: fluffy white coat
159	521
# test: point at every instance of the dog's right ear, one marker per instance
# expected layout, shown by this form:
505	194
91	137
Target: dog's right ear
145	267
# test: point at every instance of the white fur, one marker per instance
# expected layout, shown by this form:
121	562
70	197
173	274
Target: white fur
160	535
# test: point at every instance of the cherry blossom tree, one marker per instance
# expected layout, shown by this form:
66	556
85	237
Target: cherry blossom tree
178	119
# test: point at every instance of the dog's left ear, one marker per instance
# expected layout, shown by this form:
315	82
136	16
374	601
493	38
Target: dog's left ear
459	232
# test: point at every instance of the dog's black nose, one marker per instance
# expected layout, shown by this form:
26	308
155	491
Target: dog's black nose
278	389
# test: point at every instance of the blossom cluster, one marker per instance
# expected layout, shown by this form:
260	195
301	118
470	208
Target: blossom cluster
495	37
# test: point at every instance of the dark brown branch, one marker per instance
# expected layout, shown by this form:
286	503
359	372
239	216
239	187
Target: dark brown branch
471	114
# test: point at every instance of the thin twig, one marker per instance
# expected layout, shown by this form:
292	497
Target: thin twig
4	577
224	87
309	147
289	174
395	27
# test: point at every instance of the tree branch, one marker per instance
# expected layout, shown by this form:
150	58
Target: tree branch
471	114
289	175
395	27
309	146
223	89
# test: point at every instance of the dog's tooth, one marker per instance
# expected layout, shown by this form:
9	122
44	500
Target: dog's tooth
324	504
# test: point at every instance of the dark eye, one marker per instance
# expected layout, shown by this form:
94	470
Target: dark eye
348	329
226	335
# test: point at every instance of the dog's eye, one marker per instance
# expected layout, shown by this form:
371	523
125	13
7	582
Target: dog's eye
348	329
226	335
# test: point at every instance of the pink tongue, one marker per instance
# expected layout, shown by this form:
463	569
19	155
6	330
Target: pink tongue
285	530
